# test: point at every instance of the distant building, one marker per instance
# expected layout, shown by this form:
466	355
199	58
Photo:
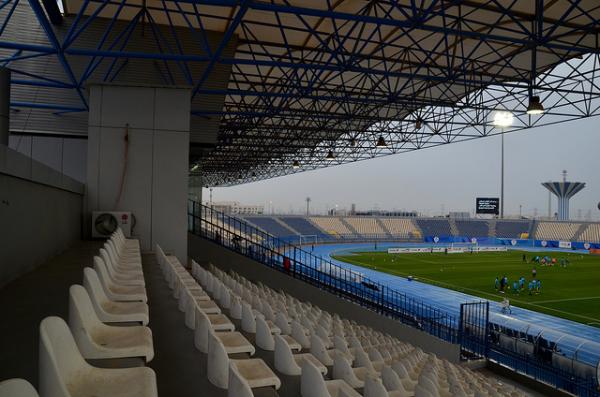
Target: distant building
236	208
459	215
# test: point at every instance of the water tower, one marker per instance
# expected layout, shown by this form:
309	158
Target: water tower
564	191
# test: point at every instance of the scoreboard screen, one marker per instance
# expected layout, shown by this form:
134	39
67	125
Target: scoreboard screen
488	205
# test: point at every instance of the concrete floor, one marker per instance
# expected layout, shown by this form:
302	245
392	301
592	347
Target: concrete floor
26	301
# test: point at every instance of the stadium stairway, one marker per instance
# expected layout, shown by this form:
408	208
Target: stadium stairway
492	226
382	225
453	227
349	226
285	225
579	232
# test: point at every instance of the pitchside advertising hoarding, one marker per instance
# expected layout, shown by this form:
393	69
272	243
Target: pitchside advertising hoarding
487	205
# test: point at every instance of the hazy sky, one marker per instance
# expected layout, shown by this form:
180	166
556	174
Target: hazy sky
450	176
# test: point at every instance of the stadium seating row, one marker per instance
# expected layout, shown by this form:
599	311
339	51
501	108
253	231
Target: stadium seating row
108	319
332	356
556	230
591	233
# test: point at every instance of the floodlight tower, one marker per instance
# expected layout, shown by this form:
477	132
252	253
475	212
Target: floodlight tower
564	191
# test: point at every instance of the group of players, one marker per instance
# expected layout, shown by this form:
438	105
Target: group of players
534	286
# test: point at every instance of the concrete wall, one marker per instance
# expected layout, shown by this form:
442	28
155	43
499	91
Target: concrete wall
155	165
205	251
40	214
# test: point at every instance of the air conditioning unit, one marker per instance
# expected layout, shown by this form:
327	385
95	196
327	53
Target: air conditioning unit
104	223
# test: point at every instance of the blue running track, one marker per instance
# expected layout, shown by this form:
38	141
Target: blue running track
573	335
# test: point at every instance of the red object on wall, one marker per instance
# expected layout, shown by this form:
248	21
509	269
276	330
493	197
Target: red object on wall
286	263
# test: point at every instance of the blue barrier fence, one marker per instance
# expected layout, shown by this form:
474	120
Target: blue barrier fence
283	256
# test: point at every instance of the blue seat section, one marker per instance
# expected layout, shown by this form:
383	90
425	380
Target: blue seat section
434	227
511	229
270	225
302	226
473	228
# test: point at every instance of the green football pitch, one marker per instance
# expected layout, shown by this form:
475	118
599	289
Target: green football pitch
572	292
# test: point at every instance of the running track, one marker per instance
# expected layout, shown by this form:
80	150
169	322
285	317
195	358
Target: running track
555	328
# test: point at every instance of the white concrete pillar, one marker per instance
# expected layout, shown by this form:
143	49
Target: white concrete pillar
138	149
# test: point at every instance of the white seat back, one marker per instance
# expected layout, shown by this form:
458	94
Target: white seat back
59	358
100	268
318	349
17	388
312	383
264	338
284	359
83	319
238	386
248	318
283	323
91	283
202	329
218	362
374	388
299	334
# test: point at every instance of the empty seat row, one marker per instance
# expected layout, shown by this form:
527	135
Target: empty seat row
108	318
215	334
556	230
334	356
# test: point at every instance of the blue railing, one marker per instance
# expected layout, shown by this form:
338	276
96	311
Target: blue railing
239	236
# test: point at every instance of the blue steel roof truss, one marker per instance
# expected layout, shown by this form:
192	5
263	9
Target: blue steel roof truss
419	74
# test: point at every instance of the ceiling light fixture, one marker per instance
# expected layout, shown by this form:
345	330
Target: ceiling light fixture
535	106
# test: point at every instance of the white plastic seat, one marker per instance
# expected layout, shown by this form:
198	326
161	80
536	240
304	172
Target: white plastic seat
207	307
355	377
265	330
318	349
392	381
109	311
300	334
17	388
123	271
125	280
64	373
123	259
117	292
374	388
187	294
291	364
254	371
312	384
204	326
97	340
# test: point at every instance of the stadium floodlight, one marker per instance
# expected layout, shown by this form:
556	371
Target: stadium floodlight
330	155
503	119
195	167
535	106
296	164
381	142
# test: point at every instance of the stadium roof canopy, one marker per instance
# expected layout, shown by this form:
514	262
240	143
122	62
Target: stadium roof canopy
314	83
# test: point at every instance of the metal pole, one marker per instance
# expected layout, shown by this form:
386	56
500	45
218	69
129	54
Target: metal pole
502	178
4	105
